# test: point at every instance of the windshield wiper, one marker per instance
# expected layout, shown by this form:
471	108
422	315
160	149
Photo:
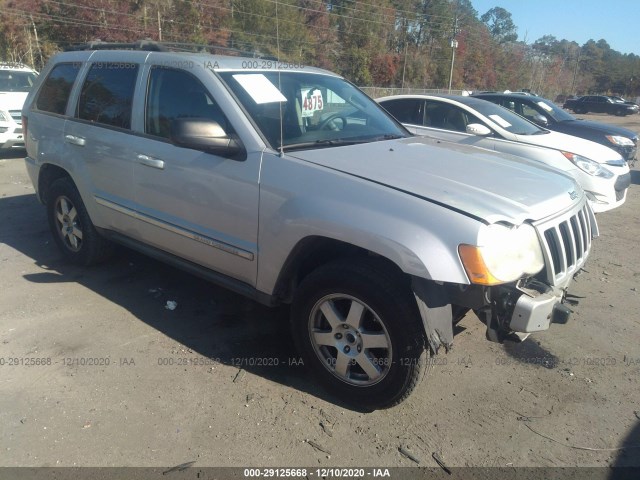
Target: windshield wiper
386	136
322	144
339	142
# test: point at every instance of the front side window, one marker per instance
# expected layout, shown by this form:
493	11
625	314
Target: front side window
549	109
107	94
173	94
298	110
528	112
55	91
447	117
506	119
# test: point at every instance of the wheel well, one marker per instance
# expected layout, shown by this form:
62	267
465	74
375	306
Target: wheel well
310	253
48	174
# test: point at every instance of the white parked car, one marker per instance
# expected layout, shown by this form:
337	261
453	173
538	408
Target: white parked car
16	81
600	170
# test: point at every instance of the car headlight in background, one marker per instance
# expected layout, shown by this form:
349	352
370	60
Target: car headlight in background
620	140
503	254
621	162
587	165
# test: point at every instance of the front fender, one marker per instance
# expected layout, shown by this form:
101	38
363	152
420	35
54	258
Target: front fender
300	199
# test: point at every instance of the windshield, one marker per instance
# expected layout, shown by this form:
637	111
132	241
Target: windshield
507	120
555	112
314	110
15	81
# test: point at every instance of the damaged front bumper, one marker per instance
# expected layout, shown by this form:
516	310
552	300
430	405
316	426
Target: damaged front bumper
536	310
530	305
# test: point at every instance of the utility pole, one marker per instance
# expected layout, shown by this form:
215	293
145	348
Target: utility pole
35	34
575	72
454	45
404	66
31	60
144	19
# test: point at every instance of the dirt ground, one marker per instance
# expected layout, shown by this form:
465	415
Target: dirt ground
96	371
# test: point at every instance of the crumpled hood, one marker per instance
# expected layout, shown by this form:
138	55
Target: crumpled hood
491	186
580	146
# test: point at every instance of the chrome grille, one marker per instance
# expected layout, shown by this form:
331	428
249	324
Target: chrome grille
16	115
566	242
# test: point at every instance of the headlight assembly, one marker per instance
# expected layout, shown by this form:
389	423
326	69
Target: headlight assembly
620	140
502	255
587	165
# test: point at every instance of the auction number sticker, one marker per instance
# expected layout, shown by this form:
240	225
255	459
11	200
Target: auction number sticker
311	102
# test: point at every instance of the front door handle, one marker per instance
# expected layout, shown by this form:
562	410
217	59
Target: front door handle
72	139
151	162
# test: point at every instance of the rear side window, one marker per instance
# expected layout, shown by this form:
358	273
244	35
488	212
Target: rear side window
55	91
107	94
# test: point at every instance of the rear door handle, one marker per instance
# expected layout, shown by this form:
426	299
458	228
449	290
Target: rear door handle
151	162
72	139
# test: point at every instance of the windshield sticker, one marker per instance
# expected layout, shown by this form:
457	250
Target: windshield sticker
500	121
260	88
311	102
545	106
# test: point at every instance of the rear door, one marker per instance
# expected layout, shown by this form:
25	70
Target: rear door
48	114
99	142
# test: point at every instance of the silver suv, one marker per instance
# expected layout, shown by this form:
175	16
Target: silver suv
289	185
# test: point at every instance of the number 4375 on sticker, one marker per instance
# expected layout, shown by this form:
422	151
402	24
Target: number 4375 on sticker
311	102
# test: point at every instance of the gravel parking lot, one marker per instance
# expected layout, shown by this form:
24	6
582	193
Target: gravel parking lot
97	371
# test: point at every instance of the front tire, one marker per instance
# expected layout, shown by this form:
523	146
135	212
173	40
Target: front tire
358	328
72	229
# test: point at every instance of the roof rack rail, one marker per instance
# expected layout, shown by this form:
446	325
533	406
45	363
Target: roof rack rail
153	46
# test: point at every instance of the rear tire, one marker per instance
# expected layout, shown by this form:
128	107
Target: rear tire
71	226
358	328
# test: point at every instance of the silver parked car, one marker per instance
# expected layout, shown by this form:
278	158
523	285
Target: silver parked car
289	185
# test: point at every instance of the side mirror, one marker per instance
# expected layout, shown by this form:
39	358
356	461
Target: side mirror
205	135
540	120
478	129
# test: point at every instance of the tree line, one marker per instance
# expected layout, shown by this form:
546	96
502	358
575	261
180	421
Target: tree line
384	43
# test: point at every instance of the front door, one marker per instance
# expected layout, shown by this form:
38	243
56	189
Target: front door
199	206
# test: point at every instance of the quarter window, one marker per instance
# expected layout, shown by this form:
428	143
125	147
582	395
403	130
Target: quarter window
55	91
173	94
107	94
